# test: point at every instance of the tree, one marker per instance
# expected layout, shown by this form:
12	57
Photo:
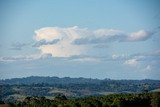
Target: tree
60	97
155	101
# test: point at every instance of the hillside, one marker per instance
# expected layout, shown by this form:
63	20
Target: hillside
19	88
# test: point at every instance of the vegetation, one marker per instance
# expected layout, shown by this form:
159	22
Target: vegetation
78	92
114	100
17	89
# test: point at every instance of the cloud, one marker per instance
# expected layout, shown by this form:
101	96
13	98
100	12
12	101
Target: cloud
62	50
111	35
64	37
115	56
18	46
24	57
147	56
44	42
85	59
71	41
154	53
141	35
18	58
148	68
101	36
143	62
98	46
48	34
131	62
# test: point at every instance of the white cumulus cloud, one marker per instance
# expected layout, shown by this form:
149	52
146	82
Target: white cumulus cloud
73	41
63	47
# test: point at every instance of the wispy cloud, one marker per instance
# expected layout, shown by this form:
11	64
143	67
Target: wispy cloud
101	36
44	42
141	35
131	62
24	57
18	46
111	35
147	68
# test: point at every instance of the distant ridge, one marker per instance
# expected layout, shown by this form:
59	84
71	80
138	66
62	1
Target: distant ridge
48	80
68	80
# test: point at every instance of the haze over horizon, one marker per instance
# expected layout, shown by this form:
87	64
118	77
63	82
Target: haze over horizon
87	38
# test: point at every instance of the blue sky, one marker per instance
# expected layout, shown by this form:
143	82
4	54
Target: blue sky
85	38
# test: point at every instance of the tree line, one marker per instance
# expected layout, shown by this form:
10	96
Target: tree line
113	100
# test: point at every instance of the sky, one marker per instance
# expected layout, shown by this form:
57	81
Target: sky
86	38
